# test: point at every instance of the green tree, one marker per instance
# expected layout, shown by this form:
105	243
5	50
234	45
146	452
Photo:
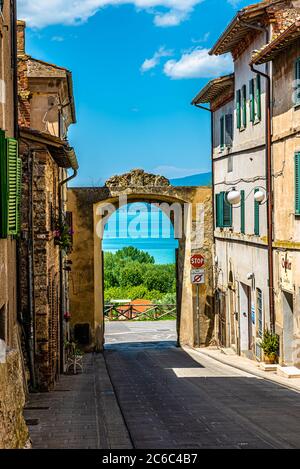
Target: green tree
134	254
159	277
131	274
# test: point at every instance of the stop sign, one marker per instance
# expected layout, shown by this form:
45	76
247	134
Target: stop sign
197	260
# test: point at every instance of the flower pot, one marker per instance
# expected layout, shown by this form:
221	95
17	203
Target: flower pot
270	360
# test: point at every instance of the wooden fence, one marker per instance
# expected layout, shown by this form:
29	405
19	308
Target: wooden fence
139	312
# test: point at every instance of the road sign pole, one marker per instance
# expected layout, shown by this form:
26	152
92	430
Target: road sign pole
198	314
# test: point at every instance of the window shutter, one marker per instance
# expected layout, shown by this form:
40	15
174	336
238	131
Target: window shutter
244	105
228	130
243	212
256	216
252	101
12	185
222	139
219	211
297	183
238	109
227	211
258	97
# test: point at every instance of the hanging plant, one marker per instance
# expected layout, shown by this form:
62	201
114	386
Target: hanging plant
63	237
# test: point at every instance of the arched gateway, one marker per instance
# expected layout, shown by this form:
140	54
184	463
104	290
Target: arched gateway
189	209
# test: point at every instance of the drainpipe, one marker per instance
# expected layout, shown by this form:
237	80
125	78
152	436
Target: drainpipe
61	271
213	186
270	202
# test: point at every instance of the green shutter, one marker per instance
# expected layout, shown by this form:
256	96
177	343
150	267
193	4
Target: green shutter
238	109
219	211
251	100
256	216
227	212
12	186
243	212
244	105
297	183
258	97
222	134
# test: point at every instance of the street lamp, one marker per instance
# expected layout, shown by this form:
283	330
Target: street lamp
233	196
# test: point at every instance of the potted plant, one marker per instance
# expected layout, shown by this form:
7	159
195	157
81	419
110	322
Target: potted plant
63	237
270	346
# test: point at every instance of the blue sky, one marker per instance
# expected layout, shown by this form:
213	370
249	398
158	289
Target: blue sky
145	227
136	66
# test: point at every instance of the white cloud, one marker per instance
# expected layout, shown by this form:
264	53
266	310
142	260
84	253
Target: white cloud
41	13
172	18
149	64
57	38
198	64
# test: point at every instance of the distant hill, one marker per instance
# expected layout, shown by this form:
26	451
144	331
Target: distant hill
203	179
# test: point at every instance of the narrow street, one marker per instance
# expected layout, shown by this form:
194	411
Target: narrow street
171	399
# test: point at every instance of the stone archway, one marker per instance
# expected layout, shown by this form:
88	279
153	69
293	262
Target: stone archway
87	207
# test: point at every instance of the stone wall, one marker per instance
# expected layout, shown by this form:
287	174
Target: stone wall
13	431
46	268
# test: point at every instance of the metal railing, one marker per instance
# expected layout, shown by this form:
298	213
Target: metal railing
140	312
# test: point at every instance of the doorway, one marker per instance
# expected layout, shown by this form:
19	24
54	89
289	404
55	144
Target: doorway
288	328
245	318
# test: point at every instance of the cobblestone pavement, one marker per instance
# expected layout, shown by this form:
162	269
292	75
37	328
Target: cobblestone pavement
174	399
82	412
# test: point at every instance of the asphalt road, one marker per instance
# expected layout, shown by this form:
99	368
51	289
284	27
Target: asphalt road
173	399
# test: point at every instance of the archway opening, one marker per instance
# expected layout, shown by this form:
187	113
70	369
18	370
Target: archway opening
140	275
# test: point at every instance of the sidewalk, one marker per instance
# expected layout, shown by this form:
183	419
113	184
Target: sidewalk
82	412
245	364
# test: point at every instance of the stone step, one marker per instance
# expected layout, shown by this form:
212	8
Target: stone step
268	367
288	371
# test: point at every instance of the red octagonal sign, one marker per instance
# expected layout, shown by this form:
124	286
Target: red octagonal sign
197	261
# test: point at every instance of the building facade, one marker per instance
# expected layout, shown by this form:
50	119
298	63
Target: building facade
46	109
245	272
13	431
283	52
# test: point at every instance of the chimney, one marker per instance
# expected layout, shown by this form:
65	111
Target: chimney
21	26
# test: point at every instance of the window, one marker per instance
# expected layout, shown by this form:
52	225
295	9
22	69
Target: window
222	133
228	130
255	99
252	100
259	307
258	97
244	105
238	109
223	211
297	83
230	164
243	212
10	186
297	183
256	216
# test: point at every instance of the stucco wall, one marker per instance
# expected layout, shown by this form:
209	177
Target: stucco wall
86	277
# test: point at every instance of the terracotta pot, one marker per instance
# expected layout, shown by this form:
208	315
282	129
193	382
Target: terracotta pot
270	360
